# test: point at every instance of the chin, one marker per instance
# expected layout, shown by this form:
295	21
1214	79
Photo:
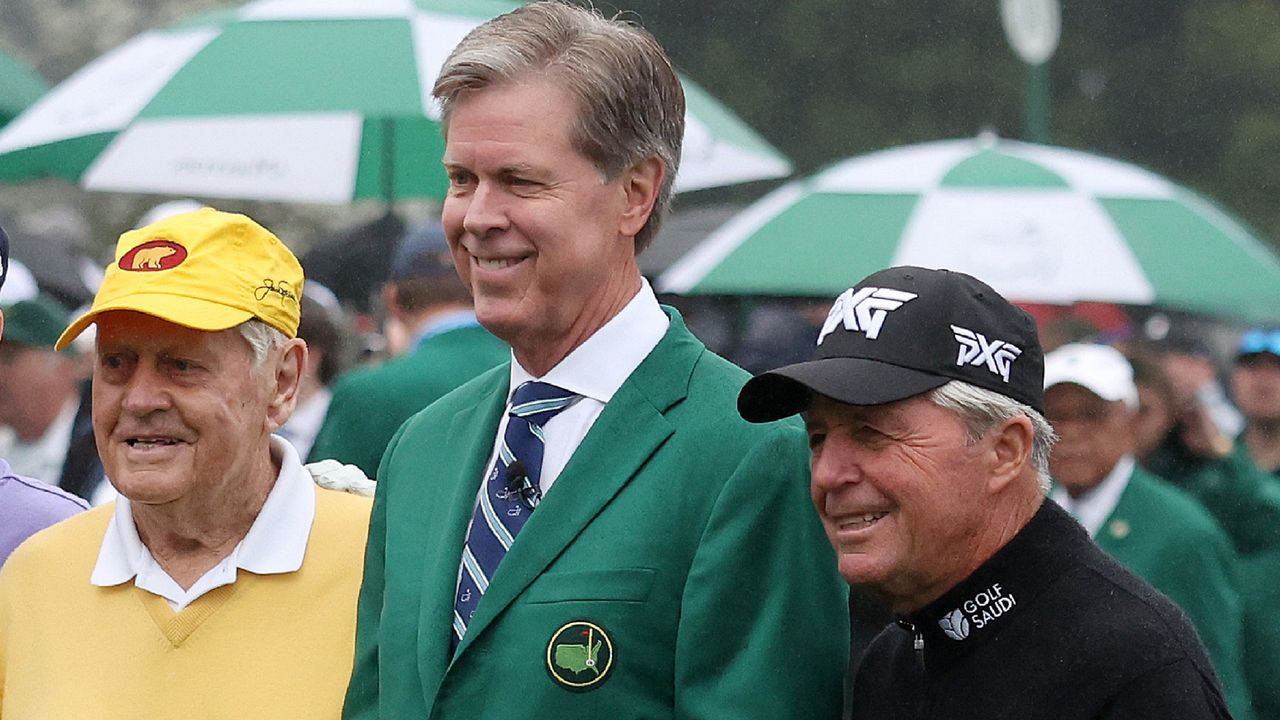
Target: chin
861	570
146	488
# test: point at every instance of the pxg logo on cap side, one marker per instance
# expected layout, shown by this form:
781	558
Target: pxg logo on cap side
975	349
863	311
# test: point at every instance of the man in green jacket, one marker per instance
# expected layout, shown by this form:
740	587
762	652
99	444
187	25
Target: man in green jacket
1156	530
590	531
444	348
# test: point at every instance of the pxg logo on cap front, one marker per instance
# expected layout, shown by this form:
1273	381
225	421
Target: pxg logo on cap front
975	349
863	310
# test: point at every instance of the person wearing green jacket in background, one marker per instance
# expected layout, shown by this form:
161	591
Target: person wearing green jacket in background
1180	443
1157	531
1255	384
444	348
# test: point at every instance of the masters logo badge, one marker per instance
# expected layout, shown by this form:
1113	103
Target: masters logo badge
580	656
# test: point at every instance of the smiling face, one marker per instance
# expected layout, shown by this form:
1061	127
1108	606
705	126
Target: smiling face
542	240
181	414
901	492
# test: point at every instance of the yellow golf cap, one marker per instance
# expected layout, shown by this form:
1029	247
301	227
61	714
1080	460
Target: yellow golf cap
206	270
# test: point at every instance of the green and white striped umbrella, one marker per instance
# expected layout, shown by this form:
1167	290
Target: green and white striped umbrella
296	100
19	87
1039	224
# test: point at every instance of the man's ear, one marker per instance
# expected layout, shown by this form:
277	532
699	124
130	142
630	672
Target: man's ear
640	185
287	379
1010	451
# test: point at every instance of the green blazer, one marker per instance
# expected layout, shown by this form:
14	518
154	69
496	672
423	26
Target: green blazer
678	533
1260	587
1244	499
370	403
1168	539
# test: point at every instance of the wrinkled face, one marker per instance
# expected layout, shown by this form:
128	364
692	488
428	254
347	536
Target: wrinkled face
536	233
1255	382
177	413
900	490
1093	435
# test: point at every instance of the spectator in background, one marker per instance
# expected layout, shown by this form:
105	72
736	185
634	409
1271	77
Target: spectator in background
1163	535
1255	384
26	505
1158	403
49	433
441	346
324	331
1197	453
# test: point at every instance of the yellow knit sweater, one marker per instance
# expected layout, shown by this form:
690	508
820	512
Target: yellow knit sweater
267	646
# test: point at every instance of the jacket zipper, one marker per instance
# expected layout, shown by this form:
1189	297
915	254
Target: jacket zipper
917	642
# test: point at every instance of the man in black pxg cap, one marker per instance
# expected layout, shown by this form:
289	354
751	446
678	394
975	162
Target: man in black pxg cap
929	457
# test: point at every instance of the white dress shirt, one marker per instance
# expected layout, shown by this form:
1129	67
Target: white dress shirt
275	543
595	370
1094	507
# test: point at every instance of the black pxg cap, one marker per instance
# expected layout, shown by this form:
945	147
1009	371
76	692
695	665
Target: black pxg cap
904	331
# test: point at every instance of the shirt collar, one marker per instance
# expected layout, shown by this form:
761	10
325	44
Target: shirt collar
275	543
443	323
1094	507
599	366
1004	586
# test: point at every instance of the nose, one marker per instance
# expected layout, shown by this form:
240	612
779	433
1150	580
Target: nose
486	210
834	464
145	392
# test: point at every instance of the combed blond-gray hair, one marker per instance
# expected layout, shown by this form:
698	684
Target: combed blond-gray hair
981	410
630	102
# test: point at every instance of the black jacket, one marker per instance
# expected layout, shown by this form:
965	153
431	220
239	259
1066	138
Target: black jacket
1049	627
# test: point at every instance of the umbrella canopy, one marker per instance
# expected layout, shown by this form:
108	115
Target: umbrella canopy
296	100
1038	223
19	87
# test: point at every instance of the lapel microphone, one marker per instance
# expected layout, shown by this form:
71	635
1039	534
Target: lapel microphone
518	482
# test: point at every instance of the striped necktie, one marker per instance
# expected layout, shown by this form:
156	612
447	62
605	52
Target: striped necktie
510	493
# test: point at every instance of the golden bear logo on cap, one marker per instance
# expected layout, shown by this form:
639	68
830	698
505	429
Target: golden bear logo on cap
153	256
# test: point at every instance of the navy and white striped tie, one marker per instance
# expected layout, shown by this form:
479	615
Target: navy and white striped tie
510	493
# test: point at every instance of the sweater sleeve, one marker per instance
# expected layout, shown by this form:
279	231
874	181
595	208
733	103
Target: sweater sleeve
1176	690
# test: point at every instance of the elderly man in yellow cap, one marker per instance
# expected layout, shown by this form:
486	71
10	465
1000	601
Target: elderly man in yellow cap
222	582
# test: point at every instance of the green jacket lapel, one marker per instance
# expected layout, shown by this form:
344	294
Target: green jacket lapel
459	463
629	430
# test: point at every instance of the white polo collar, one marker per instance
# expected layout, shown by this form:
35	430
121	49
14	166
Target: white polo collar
1094	507
275	543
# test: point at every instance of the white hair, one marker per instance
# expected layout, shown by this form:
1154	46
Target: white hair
981	410
262	339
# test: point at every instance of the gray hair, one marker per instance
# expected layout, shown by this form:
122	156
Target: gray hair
262	339
981	410
630	102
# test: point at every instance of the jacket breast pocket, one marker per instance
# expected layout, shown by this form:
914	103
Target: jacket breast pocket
614	585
